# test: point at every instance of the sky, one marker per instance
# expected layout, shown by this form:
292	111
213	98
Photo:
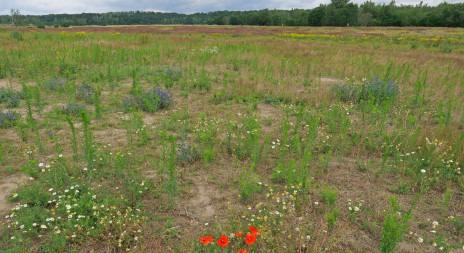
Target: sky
39	7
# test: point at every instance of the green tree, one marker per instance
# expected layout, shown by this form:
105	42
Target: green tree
16	18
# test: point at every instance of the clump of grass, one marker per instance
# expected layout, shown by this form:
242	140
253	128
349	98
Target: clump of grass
396	223
8	119
88	142
74	139
332	218
202	81
459	225
329	196
394	226
248	183
171	185
16	35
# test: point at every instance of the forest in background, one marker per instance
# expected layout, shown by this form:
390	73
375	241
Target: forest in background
337	13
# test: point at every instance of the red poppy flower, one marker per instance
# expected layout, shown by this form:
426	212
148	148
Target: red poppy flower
239	234
223	241
253	230
243	251
250	239
206	240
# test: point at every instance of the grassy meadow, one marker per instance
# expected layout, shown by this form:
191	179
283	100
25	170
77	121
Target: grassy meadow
291	140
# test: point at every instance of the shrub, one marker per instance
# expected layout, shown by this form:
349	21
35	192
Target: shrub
174	73
376	89
8	119
40	26
14	100
186	154
56	84
128	102
86	92
346	92
11	97
161	98
73	108
379	90
149	101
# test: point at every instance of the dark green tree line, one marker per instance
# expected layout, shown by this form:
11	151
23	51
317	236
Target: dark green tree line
337	13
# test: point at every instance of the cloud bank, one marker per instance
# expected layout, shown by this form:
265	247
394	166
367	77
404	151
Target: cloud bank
38	7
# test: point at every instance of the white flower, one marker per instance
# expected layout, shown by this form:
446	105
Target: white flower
423	170
34	224
441	248
316	203
420	239
43	226
31	178
60	155
41	164
435	223
68	207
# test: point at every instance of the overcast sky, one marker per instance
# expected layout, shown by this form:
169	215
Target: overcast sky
37	7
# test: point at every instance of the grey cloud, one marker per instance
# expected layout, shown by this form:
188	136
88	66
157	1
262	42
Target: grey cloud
180	6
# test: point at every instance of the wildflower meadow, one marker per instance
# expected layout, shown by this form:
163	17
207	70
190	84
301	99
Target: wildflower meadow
298	139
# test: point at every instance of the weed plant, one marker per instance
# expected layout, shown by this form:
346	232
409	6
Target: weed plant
73	108
8	119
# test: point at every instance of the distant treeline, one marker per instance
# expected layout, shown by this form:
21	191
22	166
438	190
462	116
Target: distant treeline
337	13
